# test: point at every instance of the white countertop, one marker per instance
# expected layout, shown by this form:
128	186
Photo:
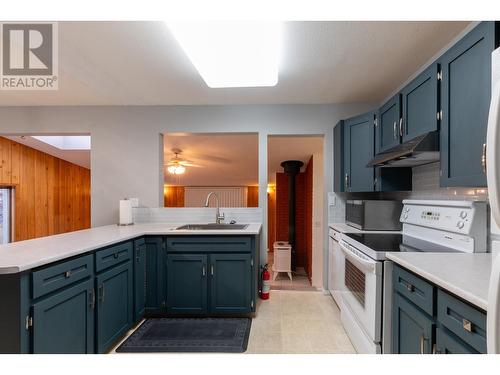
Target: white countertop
345	228
24	255
465	275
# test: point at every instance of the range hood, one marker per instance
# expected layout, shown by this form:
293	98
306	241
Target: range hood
420	150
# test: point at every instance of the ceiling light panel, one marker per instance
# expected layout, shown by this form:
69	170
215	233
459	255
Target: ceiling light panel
232	53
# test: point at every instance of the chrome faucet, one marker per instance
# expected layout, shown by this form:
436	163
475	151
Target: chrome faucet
219	218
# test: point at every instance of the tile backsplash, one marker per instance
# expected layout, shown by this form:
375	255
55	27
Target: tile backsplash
425	186
195	215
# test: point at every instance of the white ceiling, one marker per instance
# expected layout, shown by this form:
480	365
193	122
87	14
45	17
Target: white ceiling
139	63
224	159
281	148
78	157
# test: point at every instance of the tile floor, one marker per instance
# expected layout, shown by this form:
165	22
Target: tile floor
296	322
299	281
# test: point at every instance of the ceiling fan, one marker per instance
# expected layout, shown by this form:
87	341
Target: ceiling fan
177	165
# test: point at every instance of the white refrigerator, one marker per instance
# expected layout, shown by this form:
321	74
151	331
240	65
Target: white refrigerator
493	175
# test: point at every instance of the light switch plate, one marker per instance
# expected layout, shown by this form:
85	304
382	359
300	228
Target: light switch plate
331	199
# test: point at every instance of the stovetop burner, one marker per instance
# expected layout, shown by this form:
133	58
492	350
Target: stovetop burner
383	242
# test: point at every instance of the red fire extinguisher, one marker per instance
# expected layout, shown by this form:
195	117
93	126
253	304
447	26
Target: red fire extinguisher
266	284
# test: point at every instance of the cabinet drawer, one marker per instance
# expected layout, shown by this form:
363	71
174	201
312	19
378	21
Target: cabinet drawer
49	279
420	292
209	244
112	256
463	320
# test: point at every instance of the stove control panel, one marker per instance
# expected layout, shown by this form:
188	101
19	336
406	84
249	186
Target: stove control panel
453	217
467	218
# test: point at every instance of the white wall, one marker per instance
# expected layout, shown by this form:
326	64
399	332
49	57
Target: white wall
127	157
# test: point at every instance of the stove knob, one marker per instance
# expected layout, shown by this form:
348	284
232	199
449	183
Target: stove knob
463	214
460	224
405	216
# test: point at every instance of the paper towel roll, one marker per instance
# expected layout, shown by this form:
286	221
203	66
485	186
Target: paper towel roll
125	212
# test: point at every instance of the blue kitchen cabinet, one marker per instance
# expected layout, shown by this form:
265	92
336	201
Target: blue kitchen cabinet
420	104
465	99
358	151
448	343
412	328
388	125
114	304
187	284
231	283
63	323
139	279
428	319
155	303
338	157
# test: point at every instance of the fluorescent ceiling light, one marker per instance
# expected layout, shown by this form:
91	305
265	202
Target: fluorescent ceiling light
232	53
66	142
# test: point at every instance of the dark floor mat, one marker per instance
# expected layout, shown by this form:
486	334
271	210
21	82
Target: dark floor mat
189	335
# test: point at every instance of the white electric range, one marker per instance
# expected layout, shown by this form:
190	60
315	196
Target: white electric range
366	290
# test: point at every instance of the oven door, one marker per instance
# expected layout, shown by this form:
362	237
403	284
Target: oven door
362	290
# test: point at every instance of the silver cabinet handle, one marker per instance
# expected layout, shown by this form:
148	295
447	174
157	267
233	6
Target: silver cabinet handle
483	158
467	324
67	274
101	292
423	339
435	349
346	181
410	288
394	133
92	299
203	271
212	269
401	127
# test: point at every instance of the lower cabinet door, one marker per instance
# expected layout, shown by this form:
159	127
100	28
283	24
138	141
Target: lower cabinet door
448	343
411	329
139	279
155	276
187	284
231	283
114	305
64	322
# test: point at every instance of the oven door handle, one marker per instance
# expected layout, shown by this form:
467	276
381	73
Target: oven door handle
364	265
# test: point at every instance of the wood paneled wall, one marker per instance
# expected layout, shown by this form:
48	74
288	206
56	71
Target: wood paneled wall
52	196
173	196
271	218
303	214
252	196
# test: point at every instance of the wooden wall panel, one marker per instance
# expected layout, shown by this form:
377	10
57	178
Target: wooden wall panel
282	214
308	174
271	219
252	196
52	196
173	196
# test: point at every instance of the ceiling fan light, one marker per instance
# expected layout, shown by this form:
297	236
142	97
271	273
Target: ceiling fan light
180	169
171	169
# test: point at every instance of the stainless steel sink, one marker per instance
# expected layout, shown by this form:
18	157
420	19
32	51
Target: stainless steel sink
212	226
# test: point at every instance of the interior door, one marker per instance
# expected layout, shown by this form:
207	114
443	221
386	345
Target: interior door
64	322
231	283
186	283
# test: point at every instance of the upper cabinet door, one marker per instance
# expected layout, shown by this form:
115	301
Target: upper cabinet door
465	98
420	104
388	134
338	159
358	151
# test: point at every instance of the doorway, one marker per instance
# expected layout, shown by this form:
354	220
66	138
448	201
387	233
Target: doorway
295	211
